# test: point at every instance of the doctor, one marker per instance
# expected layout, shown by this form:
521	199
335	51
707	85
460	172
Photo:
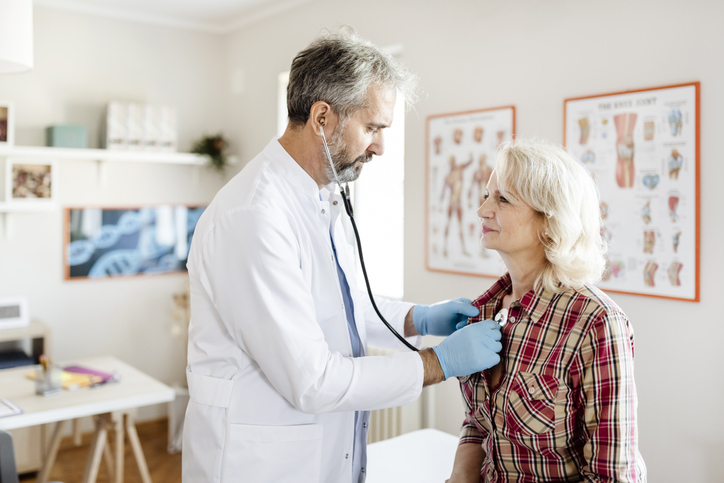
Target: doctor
280	388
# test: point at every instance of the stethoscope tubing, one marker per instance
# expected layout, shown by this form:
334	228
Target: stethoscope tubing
350	212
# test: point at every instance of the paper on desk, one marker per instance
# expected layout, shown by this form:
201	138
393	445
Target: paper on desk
7	408
72	380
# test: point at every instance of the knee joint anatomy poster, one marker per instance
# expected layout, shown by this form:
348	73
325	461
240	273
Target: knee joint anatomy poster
642	148
461	150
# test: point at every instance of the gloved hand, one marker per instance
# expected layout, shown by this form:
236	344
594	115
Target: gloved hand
470	349
443	318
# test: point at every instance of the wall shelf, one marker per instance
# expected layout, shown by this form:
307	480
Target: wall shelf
102	155
30	207
101	158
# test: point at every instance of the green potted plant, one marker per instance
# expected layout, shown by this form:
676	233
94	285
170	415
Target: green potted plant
215	148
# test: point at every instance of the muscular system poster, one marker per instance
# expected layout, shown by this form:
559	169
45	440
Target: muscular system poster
641	147
461	151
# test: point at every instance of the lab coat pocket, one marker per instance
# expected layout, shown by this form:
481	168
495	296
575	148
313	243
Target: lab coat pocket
261	454
532	403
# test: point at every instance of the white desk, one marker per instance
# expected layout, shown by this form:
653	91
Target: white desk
424	456
109	404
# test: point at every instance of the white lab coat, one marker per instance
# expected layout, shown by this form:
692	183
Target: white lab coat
272	380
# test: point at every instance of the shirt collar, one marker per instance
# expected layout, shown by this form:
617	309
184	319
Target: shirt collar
291	170
496	292
533	303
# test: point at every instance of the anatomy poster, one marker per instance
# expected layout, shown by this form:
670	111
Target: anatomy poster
641	147
461	151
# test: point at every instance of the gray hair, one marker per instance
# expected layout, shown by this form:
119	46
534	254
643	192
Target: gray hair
561	189
338	69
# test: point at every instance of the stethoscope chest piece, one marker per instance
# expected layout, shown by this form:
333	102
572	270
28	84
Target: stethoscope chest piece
502	317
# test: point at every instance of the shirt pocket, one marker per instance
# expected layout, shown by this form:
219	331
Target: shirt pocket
532	403
261	454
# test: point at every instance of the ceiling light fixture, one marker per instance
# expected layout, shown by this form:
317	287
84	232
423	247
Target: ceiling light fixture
16	36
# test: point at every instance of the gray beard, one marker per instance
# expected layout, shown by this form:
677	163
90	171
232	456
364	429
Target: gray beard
347	171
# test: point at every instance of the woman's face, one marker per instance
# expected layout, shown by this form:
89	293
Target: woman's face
510	226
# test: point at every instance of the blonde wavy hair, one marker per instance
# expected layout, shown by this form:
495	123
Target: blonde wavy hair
553	183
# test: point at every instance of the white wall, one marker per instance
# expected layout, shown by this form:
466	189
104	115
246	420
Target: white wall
81	63
468	54
476	54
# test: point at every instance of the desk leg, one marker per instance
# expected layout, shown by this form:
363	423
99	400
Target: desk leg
137	450
76	432
117	418
99	442
51	453
108	460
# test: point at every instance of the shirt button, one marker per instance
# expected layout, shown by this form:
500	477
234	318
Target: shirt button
531	390
364	425
334	203
512	320
323	212
363	470
346	456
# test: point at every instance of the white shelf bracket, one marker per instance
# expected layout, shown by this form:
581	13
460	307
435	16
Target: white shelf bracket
7	225
102	172
198	173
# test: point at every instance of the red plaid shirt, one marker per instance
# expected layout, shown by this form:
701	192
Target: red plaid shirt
565	405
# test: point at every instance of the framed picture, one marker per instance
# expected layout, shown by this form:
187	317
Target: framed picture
121	242
642	148
7	124
461	149
29	180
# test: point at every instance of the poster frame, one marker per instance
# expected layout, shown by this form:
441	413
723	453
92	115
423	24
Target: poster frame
697	181
429	118
67	240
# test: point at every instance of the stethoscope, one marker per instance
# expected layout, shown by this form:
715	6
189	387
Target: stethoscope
348	208
501	317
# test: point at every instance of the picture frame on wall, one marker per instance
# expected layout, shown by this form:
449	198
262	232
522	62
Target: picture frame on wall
642	149
7	124
461	149
30	181
112	242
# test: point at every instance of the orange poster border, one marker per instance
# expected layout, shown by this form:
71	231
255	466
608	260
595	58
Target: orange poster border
66	241
697	178
427	183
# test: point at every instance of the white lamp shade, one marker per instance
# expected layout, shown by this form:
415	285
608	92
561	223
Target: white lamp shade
16	36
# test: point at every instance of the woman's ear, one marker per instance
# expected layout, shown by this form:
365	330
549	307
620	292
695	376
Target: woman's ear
544	236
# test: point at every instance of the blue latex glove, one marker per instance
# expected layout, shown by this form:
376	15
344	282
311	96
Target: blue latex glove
471	349
443	318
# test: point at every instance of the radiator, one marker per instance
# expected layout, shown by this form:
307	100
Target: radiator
391	422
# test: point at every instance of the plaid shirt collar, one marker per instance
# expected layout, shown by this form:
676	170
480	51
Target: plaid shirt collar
533	303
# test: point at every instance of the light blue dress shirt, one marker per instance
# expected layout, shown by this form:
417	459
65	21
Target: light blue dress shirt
361	418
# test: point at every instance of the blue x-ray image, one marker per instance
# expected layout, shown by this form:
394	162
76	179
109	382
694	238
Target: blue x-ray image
121	242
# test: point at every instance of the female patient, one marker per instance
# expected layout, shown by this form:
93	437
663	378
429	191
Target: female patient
561	405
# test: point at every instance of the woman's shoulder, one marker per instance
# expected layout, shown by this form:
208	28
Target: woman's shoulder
605	317
591	301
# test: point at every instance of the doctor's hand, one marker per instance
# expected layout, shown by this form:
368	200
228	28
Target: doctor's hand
470	349
442	318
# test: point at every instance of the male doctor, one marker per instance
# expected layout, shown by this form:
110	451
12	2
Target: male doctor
280	386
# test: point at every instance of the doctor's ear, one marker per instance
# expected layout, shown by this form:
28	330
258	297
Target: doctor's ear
319	114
